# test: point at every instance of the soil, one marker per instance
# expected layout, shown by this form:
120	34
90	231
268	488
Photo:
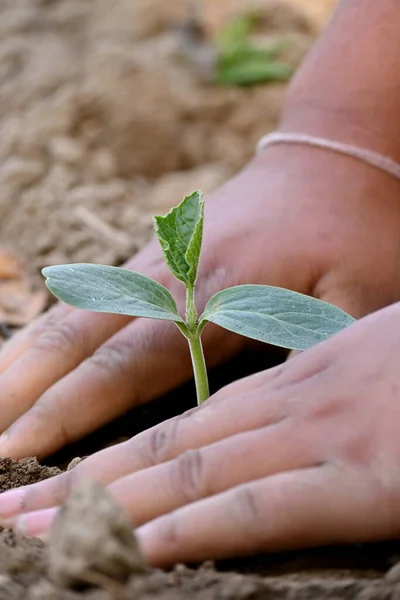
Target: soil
104	121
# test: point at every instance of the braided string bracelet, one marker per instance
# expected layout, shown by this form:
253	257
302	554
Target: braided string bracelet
384	163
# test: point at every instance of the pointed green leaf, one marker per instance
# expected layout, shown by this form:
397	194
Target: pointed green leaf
275	315
180	234
253	71
100	288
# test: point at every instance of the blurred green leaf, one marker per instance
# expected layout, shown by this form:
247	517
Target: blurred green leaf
252	72
241	62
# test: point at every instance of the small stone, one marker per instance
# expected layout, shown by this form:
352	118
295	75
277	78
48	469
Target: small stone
92	538
75	461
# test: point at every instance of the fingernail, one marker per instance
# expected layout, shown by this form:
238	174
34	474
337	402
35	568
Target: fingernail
35	523
19	525
11	503
6	523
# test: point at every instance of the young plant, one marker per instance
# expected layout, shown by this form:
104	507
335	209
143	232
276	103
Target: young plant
268	314
241	62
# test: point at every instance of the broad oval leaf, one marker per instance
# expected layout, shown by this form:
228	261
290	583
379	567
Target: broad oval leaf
275	315
101	288
180	234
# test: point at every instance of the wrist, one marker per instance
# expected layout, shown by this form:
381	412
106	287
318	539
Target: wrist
327	175
348	85
340	125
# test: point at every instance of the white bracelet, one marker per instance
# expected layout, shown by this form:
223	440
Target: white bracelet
385	163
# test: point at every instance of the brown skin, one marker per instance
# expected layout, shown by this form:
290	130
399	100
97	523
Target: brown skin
300	218
304	454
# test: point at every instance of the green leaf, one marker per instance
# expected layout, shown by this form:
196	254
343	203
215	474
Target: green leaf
242	62
245	53
252	72
180	234
275	315
100	288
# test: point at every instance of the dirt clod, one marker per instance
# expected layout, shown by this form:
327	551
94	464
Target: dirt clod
23	472
91	536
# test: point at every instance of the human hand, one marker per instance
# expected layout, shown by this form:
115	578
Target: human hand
302	219
303	454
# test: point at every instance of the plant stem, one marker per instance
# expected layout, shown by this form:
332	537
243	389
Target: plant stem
196	349
199	368
191	312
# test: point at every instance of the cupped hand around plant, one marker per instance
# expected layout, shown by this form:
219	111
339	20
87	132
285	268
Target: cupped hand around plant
304	454
299	218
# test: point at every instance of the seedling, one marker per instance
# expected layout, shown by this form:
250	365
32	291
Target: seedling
261	312
241	61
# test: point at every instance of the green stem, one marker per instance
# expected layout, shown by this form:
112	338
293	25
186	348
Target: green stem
199	368
191	313
190	331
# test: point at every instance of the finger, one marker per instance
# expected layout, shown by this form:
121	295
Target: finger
166	441
213	421
104	467
147	261
58	342
23	339
296	509
55	353
35	524
197	474
120	375
203	472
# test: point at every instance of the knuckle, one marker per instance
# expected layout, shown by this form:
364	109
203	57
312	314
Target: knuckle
160	443
155	337
212	278
114	356
48	320
58	492
63	336
47	411
245	510
168	531
188	475
64	435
